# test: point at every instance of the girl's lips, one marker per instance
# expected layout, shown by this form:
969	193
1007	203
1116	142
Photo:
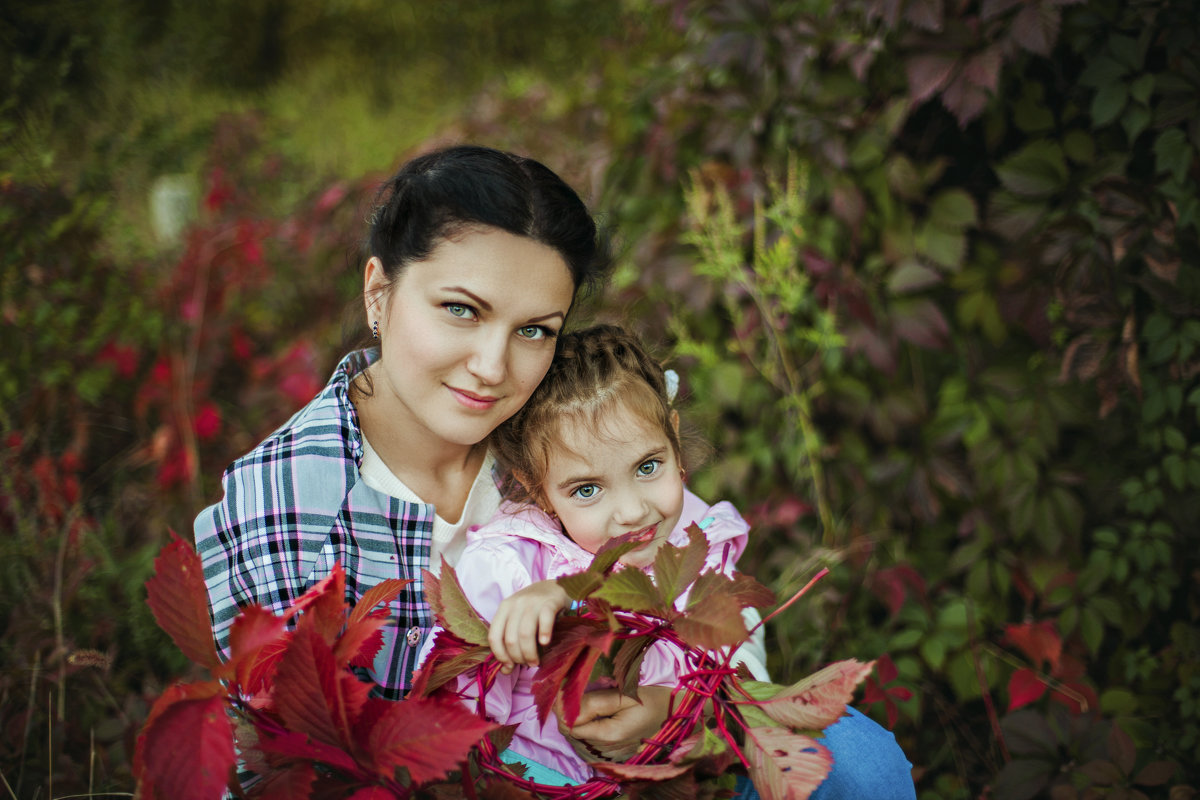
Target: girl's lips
472	400
646	534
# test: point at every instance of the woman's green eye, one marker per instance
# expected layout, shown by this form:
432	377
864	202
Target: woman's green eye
533	332
458	310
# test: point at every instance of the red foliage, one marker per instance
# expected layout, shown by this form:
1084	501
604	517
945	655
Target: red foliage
296	692
876	690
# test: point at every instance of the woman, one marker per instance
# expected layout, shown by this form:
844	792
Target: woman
476	258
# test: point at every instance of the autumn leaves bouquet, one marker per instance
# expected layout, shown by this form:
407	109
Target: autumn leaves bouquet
290	700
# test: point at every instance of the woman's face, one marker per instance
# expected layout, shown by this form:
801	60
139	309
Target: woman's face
467	334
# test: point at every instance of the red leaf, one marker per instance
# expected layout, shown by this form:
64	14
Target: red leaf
254	630
297	745
717	621
1039	641
361	640
372	793
820	699
293	782
179	600
920	321
207	422
1024	687
188	750
452	608
381	594
927	74
1035	28
324	605
256	674
785	765
312	695
174	694
428	737
449	658
577	644
893	584
641	772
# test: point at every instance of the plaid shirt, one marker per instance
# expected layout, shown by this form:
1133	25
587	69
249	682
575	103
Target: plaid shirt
294	506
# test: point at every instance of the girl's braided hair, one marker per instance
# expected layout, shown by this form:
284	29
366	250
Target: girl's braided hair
594	371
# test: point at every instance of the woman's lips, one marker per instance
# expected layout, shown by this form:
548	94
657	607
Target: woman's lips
471	400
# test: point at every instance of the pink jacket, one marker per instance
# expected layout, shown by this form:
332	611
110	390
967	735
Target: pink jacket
521	545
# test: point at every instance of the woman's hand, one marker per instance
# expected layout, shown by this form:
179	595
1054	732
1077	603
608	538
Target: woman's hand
524	620
612	726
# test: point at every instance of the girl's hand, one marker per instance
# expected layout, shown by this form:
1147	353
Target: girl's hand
614	726
524	620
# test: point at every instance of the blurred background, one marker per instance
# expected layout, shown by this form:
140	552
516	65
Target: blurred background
929	272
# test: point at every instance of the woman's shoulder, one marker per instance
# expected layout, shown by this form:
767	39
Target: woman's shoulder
326	428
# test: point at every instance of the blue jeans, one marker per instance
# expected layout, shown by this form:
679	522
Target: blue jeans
867	764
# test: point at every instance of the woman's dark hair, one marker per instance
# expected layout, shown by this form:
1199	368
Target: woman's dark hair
439	194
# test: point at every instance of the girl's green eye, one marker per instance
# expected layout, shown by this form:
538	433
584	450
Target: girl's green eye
586	492
648	468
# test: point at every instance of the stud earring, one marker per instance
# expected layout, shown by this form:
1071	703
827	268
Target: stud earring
375	329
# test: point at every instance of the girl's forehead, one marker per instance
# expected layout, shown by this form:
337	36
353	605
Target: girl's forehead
614	426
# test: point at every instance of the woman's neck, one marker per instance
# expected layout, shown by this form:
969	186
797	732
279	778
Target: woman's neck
441	473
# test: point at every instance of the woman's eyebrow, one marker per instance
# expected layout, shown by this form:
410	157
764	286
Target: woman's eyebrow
479	301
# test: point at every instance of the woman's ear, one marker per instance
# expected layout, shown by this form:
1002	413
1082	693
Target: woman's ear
375	284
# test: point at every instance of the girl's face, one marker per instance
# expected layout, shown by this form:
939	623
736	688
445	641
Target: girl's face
467	334
621	479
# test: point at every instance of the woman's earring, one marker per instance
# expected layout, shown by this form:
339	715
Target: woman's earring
375	329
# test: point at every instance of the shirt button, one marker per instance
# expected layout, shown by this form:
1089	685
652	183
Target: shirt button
413	636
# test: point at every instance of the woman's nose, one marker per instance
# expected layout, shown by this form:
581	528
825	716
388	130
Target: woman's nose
489	358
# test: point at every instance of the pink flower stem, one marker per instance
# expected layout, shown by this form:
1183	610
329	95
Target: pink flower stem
824	571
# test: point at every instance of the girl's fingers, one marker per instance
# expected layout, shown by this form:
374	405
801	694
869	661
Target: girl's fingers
546	623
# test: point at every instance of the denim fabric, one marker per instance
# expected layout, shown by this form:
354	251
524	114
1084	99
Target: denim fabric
867	764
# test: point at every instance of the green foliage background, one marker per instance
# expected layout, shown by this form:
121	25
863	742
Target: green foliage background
929	272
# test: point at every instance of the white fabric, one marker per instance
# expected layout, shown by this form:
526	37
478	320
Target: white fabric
449	538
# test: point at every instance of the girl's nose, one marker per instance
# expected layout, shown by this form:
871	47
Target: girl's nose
489	358
633	510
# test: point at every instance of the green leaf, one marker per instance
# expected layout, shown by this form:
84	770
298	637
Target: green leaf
451	607
1142	88
1135	121
1037	170
944	247
632	590
953	209
1172	153
910	275
627	664
1108	102
1102	71
677	568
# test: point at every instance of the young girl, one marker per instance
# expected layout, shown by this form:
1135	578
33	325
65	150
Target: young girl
594	454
